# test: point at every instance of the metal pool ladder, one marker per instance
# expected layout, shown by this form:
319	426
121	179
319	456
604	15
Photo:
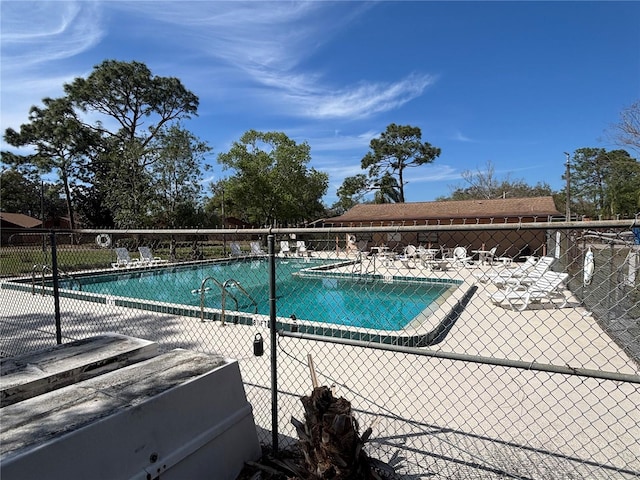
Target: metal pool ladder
43	269
224	291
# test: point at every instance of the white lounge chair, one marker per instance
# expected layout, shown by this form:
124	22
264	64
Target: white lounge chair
507	273
547	287
301	248
529	276
147	258
236	251
124	260
256	249
285	250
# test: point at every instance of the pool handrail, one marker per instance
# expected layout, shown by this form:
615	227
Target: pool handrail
229	282
44	268
224	292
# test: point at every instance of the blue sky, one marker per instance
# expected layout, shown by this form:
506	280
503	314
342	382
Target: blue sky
511	83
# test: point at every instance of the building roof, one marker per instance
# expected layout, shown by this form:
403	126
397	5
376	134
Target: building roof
19	220
457	209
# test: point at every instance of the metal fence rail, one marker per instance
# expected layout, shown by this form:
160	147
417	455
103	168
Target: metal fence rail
463	369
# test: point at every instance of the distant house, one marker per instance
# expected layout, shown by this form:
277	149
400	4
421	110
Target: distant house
233	222
459	212
16	221
61	222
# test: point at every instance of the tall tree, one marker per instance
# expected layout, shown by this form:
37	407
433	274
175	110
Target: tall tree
272	183
60	140
627	131
590	169
398	148
177	176
128	93
623	192
133	106
19	194
607	181
351	192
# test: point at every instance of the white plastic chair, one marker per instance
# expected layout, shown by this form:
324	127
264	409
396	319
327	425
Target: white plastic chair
489	259
236	251
147	258
285	250
301	248
411	251
124	259
460	257
256	249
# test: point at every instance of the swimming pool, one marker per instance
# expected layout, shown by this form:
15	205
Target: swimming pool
310	290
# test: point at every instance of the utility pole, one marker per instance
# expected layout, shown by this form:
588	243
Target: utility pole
568	193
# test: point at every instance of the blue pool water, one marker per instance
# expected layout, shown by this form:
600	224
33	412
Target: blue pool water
322	297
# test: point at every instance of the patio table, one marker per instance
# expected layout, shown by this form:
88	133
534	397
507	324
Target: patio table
483	255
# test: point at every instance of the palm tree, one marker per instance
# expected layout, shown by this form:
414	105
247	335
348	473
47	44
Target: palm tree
388	190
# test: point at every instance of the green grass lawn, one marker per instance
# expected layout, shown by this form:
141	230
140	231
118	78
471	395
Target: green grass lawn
18	261
14	262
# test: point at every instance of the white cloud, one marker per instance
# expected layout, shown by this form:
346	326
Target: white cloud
433	173
460	137
258	49
37	40
338	142
37	33
263	45
363	100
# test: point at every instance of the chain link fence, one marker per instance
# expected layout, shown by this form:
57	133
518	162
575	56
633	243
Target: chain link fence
473	351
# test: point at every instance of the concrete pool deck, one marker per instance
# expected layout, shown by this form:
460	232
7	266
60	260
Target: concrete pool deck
447	419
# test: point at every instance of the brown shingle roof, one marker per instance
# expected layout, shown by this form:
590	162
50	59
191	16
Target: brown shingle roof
19	220
469	209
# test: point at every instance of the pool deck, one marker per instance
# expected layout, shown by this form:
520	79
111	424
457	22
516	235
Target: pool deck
446	418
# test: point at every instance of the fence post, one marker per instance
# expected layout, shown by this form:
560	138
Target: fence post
56	295
272	329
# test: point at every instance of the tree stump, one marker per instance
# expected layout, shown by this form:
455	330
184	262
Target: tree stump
329	438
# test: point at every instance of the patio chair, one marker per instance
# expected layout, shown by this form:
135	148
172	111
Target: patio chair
491	256
285	250
301	248
147	258
411	251
520	297
351	246
409	255
362	251
460	257
236	251
362	247
124	260
256	249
